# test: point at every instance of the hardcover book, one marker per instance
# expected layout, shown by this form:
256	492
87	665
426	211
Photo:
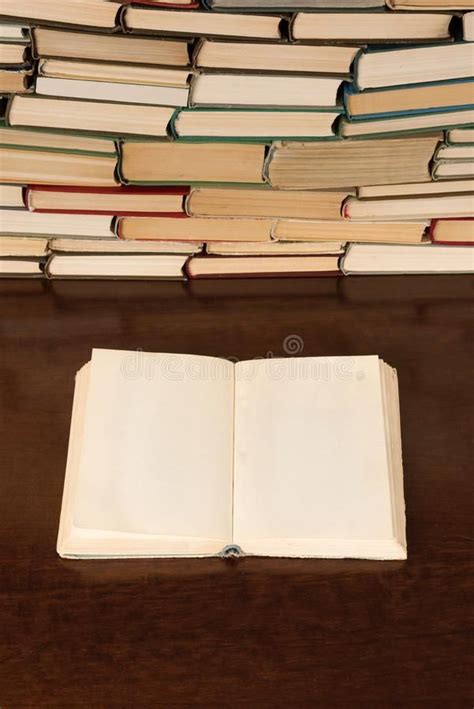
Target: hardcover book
56	167
84	13
373	27
122	266
375	259
346	163
286	457
118	201
109	48
454	232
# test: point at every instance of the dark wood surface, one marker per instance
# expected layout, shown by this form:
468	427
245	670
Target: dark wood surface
252	632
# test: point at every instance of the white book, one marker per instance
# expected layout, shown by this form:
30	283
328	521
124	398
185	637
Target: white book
11	196
185	455
413	65
103	91
133	266
24	223
255	90
468	26
390	259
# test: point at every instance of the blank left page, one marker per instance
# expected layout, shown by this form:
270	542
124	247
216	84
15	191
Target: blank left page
157	449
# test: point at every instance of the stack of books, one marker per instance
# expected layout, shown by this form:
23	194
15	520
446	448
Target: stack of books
244	138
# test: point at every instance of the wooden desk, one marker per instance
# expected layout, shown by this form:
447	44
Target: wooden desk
253	632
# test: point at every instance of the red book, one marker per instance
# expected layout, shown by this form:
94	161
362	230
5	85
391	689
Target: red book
453	232
116	201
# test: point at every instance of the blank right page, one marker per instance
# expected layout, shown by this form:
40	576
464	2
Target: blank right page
311	473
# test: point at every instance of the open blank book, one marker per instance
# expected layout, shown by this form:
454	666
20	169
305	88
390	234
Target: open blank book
182	455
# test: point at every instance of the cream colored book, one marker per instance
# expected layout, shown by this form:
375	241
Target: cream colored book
109	48
424	122
11	197
262	90
455	169
13	54
439	5
10	32
93	116
460	135
416	188
401	208
370	26
468	26
456	152
23	247
90	13
115	73
293	230
207	24
105	91
123	266
254	56
61	142
274	248
283	457
18	222
413	65
392	259
20	268
118	246
265	124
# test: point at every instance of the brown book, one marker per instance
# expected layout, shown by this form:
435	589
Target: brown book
93	116
369	26
14	82
342	163
389	232
23	247
252	56
132	50
166	162
195	24
61	142
253	266
411	98
85	13
38	166
195	229
454	232
123	266
13	54
240	202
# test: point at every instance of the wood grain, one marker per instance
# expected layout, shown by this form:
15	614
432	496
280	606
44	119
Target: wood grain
251	632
